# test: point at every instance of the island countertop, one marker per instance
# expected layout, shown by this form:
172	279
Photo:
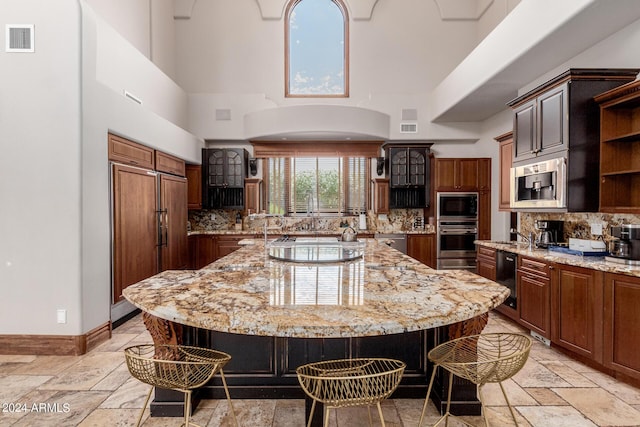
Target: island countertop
384	292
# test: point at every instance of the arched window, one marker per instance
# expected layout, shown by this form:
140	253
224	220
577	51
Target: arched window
316	49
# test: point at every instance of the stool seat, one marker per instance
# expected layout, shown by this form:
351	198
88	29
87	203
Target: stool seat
350	382
176	367
480	359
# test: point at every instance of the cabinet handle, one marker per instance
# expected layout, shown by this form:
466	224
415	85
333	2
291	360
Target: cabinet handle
551	267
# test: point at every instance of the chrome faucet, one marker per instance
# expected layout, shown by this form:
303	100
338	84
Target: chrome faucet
266	227
528	239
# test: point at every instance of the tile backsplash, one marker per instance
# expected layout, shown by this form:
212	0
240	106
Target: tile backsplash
578	225
397	221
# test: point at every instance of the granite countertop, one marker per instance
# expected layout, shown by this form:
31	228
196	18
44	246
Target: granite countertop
593	262
304	233
384	292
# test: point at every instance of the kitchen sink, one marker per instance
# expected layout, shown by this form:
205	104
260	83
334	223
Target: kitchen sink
315	250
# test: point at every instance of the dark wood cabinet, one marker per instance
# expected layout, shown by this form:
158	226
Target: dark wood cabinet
207	248
422	247
173	223
622	323
252	195
486	262
456	174
194	186
576	310
534	291
484	199
506	159
225	244
541	124
619	149
223	175
409	176
380	195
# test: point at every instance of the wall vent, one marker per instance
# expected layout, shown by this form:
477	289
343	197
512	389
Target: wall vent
20	38
132	97
409	114
223	114
408	128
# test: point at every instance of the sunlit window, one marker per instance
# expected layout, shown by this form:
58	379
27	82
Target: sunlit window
316	49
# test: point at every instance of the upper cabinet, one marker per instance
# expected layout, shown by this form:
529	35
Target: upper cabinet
620	149
223	173
506	156
560	114
458	174
409	176
540	124
194	186
122	150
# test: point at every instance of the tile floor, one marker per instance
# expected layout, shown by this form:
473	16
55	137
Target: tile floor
96	390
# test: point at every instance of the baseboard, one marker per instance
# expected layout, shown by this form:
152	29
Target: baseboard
55	345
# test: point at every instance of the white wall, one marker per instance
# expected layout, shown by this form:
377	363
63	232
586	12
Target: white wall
40	166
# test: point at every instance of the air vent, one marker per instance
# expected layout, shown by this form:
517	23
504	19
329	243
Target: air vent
408	128
223	114
409	114
20	38
132	97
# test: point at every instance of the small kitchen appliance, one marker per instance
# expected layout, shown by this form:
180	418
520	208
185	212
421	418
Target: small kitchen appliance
549	232
625	247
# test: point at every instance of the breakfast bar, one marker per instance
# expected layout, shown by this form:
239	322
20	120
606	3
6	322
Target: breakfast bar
273	315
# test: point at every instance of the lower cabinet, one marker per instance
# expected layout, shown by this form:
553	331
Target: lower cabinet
486	262
227	244
534	290
576	314
622	323
206	248
422	248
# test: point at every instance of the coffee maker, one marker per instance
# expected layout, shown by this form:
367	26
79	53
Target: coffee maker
550	232
625	247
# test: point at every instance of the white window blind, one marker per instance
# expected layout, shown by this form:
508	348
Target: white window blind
310	185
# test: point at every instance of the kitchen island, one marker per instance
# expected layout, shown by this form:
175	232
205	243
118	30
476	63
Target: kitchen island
273	316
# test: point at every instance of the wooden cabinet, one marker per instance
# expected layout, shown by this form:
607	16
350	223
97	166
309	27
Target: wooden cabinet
533	286
576	310
622	323
224	172
620	149
486	262
409	176
135	227
506	159
541	124
169	164
128	152
422	247
456	174
194	186
173	223
225	244
253	195
207	248
380	195
484	199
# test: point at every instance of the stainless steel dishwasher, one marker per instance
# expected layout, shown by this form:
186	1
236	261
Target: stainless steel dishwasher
394	240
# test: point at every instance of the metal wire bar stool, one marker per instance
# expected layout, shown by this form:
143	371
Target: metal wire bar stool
350	382
480	359
176	367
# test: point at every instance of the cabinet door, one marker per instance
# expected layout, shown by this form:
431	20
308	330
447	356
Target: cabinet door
506	158
399	165
135	227
380	194
486	268
205	251
194	186
533	302
227	244
524	131
446	175
622	323
552	121
169	164
417	167
484	215
214	167
124	151
253	195
467	174
422	248
173	223
234	162
484	174
576	314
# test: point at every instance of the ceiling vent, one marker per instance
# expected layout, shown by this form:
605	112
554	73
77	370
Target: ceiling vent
408	128
132	97
223	114
20	38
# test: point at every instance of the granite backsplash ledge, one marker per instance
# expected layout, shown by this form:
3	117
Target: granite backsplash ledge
578	225
397	221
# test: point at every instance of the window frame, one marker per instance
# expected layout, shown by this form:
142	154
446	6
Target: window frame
291	5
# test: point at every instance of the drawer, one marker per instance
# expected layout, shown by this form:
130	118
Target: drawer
486	252
533	266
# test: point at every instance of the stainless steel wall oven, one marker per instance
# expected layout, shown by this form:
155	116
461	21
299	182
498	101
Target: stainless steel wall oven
457	229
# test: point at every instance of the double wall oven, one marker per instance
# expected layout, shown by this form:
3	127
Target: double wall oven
457	229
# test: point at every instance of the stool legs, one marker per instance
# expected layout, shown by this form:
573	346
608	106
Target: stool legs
226	391
144	406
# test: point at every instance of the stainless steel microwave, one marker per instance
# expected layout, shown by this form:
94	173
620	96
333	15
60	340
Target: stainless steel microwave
540	185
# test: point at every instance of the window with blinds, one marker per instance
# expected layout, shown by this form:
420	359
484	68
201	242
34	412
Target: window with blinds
309	185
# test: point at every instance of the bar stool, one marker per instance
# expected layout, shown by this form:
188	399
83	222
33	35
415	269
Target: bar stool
350	382
176	367
480	359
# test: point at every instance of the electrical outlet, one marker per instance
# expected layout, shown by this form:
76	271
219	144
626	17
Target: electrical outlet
596	229
62	315
213	217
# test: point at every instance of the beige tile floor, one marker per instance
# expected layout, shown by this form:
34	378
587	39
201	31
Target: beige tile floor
96	390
